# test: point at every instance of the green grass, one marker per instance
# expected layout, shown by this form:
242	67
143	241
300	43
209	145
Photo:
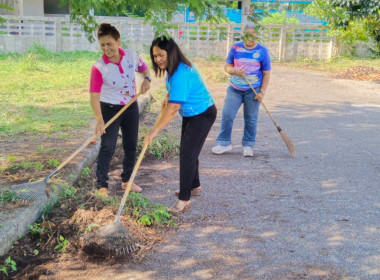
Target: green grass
8	196
44	92
334	65
47	93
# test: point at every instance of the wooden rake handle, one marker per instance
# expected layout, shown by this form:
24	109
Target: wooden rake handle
134	172
89	140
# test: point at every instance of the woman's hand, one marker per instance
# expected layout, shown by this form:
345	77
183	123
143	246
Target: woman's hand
151	135
231	70
238	72
259	96
165	102
145	86
99	127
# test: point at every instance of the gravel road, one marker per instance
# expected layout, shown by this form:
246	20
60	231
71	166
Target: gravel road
316	216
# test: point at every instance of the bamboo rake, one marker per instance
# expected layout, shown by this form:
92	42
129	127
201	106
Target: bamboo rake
289	144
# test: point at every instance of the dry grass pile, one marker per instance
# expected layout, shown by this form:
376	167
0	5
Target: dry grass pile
89	221
362	73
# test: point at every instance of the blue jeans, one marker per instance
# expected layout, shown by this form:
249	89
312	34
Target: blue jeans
233	101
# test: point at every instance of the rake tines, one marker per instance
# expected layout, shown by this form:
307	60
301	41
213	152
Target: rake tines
113	240
29	192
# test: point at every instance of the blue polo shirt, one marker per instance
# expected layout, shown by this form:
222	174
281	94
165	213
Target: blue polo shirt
187	88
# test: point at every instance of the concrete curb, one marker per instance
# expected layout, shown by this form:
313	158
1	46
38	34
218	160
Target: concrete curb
18	220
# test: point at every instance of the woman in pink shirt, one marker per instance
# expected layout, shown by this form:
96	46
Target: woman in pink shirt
113	85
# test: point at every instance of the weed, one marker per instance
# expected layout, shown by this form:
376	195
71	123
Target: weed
164	145
110	200
66	191
36	252
305	60
62	244
53	163
90	227
26	165
86	172
36	230
41	149
47	208
159	215
8	196
215	58
147	214
8	263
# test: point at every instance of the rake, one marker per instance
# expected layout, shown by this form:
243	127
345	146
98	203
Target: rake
289	144
39	190
114	239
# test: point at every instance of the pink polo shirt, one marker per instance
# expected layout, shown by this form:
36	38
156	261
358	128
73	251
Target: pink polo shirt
116	82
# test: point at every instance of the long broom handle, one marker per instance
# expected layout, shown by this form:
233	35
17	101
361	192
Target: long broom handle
89	140
262	103
134	172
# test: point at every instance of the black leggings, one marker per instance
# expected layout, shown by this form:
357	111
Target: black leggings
194	132
129	124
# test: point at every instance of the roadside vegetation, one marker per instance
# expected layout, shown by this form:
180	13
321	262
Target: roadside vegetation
75	212
334	65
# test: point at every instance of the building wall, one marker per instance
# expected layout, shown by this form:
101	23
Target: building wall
33	8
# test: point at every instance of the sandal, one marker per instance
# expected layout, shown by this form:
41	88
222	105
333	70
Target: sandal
103	192
134	188
179	207
194	192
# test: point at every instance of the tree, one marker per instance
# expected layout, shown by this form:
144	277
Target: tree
358	8
159	12
280	18
354	31
369	11
348	22
2	6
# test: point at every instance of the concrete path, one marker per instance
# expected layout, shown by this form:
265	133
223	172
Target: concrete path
273	217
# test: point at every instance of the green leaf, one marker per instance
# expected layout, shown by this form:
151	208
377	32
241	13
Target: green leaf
4	269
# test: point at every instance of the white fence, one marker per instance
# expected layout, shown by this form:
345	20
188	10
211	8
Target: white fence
195	39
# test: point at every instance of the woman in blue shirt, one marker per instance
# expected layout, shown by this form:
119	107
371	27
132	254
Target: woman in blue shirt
188	95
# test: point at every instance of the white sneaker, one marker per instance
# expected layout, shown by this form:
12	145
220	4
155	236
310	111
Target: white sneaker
247	151
221	149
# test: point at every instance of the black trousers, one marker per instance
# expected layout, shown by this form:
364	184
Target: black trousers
194	132
129	124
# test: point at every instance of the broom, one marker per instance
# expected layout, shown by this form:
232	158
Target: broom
114	239
289	144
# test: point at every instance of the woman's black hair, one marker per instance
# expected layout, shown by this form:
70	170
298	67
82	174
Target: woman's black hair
107	29
175	56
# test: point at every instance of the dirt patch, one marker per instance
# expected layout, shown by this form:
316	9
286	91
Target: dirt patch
78	213
362	73
29	158
73	217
